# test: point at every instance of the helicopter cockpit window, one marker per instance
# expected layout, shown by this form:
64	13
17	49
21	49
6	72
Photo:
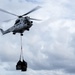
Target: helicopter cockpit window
17	21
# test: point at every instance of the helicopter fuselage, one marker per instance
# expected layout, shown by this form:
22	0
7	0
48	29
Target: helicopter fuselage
20	26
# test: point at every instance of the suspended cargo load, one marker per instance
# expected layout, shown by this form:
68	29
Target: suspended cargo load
21	64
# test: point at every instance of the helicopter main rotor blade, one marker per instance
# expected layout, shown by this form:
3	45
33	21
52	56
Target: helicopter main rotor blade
8	12
8	20
35	19
31	10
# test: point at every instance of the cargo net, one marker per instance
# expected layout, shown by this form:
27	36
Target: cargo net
21	64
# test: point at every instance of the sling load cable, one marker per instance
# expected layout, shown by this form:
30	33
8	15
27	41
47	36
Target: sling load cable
23	62
21	54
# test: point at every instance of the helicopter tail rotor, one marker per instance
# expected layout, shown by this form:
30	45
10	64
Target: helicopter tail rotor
2	31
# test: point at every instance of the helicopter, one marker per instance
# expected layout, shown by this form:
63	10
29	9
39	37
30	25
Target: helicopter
22	23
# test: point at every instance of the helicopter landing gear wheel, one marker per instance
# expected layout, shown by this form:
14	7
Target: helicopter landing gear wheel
13	33
21	34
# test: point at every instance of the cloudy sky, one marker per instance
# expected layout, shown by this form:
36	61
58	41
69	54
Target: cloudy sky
49	46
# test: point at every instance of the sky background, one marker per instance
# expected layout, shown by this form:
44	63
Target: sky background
49	46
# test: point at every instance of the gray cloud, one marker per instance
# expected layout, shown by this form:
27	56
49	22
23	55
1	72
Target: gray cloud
48	46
